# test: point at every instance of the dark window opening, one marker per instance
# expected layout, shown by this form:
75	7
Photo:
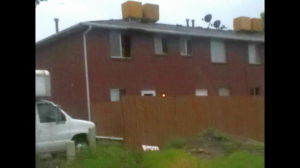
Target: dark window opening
258	54
126	46
122	93
189	47
164	43
254	91
149	94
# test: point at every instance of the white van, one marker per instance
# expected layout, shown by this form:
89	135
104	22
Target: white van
53	126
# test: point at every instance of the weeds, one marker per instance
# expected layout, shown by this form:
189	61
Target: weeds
227	151
175	143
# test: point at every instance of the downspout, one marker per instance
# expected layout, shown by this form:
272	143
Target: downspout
86	73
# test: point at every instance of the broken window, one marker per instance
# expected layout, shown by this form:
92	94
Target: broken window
161	45
185	46
117	94
120	45
125	45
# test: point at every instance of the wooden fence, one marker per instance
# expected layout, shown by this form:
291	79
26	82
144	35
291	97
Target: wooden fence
152	120
108	117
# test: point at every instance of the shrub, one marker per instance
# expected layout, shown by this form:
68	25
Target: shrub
175	143
214	133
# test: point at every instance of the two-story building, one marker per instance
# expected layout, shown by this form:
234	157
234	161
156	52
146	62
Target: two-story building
99	61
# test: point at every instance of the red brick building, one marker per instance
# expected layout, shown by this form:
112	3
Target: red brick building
133	58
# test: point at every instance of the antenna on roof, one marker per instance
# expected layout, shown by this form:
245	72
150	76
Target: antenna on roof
216	24
207	19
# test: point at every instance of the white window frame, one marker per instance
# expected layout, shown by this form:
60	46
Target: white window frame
143	92
111	34
201	92
253	54
118	94
158	44
183	41
224	89
218	51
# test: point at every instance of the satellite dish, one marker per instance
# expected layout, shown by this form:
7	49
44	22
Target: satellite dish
217	24
207	18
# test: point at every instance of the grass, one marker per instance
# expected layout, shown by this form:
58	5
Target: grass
242	159
38	158
216	142
111	156
174	154
173	158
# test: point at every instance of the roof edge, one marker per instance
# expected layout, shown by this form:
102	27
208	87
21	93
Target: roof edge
58	34
104	25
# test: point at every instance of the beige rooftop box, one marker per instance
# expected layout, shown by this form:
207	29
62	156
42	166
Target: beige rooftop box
242	23
256	24
151	12
131	9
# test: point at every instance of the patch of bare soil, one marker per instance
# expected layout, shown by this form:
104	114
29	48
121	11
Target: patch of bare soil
213	143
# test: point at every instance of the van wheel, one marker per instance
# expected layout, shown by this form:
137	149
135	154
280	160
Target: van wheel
80	142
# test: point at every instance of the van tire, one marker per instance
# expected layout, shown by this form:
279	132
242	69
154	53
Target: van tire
80	140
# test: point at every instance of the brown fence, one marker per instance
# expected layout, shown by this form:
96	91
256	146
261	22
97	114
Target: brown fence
152	120
108	118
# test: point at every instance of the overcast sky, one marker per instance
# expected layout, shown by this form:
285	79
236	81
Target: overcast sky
71	12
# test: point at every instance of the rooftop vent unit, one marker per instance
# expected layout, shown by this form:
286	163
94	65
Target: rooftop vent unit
150	12
256	24
136	11
247	24
132	9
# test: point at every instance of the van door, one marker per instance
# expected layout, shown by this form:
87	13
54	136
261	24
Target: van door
62	127
44	128
53	129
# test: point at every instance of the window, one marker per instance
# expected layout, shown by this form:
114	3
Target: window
201	92
185	46
48	113
254	55
120	45
161	45
224	92
148	93
217	49
125	45
117	94
254	91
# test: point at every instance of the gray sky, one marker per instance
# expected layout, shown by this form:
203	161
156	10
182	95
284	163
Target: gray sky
71	12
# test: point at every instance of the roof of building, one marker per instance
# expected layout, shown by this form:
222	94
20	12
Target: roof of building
159	28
